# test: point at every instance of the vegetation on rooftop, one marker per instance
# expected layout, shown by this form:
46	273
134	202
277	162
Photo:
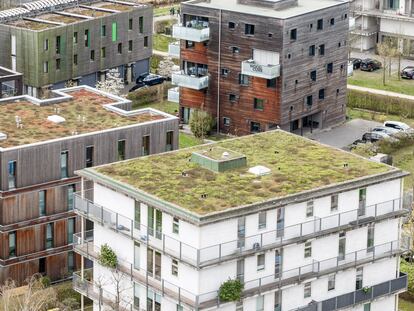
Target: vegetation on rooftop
296	165
88	12
31	24
60	18
117	7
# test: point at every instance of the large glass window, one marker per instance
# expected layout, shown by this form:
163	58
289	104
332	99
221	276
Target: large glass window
49	235
308	250
262	220
121	150
64	156
260	303
309	209
307	291
359	277
154	263
334	202
145	145
12	174
137	255
42	203
141	24
12	244
89	156
260	262
370	238
154	222
342	246
71	262
137	220
71	230
362	201
71	190
87	38
136	295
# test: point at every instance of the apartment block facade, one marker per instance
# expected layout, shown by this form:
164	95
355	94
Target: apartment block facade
377	20
257	65
77	41
42	143
183	223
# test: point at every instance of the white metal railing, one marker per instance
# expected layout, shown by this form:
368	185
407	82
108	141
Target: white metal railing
252	68
174	95
196	34
174	49
190	81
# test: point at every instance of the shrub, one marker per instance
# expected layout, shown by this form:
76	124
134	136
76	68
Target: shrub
201	123
107	257
164	26
231	290
408	268
45	281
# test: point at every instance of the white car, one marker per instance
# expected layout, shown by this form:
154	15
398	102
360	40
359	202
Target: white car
400	126
385	129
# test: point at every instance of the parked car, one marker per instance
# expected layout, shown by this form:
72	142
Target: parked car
356	62
399	126
152	79
375	136
370	64
137	86
384	129
141	77
407	72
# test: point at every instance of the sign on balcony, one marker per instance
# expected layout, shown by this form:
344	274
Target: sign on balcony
252	68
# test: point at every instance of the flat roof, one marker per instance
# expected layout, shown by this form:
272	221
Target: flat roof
303	7
296	165
24	119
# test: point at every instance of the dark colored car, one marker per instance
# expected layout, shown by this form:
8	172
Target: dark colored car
370	65
141	78
356	62
407	72
152	79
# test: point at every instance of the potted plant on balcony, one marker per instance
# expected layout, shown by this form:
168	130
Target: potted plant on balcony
231	290
366	289
107	257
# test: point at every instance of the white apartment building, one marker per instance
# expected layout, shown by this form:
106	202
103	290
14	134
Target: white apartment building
378	19
302	225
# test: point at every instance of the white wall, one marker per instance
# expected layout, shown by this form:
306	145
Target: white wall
397	27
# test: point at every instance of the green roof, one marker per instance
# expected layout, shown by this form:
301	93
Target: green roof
297	164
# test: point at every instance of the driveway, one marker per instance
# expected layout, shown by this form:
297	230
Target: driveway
345	134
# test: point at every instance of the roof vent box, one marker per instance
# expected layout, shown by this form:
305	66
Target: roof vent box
259	170
218	159
56	119
3	136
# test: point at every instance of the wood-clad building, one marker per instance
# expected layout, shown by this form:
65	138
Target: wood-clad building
256	65
42	143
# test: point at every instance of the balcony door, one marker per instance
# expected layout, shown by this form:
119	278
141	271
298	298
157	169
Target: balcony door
278	263
280	222
154	263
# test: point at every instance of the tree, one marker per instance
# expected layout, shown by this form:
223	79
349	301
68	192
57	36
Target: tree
386	51
113	83
200	123
166	67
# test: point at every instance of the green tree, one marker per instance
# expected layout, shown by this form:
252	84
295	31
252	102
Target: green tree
201	123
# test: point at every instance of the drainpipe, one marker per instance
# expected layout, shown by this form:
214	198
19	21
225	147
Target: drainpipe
218	75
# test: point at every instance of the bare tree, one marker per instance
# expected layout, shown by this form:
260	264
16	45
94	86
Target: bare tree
386	51
113	83
166	67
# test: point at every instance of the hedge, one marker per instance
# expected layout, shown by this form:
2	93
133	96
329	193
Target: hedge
408	268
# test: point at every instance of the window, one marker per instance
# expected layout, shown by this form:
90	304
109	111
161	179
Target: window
92	56
307	290
232	97
226	121
332	21
42	265
322	49
334	202
312	50
89	156
114	31
64	157
232	25
278	298
58	64
258	104
308	249
154	219
75	59
12	244
86	38
241	231
71	190
243	79
367	307
137	215
130	24
49	235
141	24
260	262
71	229
359	277
260	303
45	67
42	203
121	149
154	263
103	52
262	220
331	282
11	172
322	94
255	127
293	34
130	46
339	44
224	72
235	49
240	270
249	29
145	145
153	301
329	68
136	295
169	141
319	24
46	44
362	201
174	267
310	27
137	255
180	308
119	48
145	42
103	30
313	75
309	209
370	238
71	262
309	100
346	16
341	246
58	45
176	225
271	83
75	37
189	44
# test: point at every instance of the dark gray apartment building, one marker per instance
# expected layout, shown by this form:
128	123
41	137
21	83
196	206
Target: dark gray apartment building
52	42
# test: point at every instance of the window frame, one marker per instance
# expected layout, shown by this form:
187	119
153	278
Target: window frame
249	29
260	261
262	220
307	250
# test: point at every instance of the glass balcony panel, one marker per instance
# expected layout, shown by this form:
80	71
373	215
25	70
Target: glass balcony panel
190	81
195	33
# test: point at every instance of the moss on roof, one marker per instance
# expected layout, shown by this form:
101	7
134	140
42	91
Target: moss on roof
296	164
59	18
33	25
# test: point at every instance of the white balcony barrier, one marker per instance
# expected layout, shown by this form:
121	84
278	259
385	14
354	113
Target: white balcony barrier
191	82
174	95
174	49
191	33
252	68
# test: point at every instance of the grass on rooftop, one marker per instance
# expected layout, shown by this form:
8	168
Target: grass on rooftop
117	7
296	164
31	25
60	18
161	42
88	12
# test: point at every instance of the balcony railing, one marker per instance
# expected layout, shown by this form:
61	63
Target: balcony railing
174	49
236	248
252	68
87	249
174	95
190	81
199	33
359	296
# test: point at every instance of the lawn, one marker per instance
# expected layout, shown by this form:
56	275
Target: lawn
374	80
160	42
187	140
165	10
404	305
166	106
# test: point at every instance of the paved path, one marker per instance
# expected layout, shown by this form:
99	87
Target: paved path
380	92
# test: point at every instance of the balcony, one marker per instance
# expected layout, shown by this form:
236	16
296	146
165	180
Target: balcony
174	49
190	81
359	296
174	95
253	68
197	33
